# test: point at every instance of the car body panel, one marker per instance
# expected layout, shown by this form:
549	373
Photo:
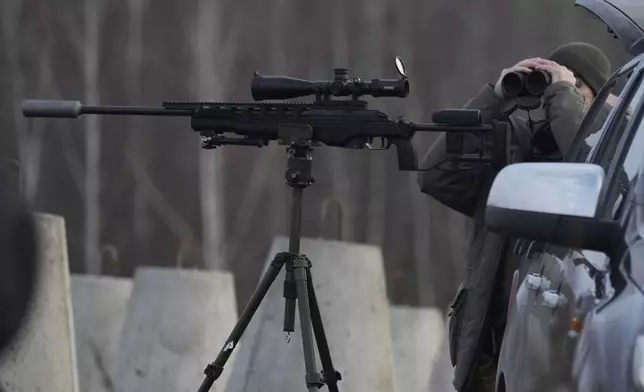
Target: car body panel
522	334
539	330
602	361
625	18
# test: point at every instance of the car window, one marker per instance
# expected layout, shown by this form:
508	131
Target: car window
595	122
627	151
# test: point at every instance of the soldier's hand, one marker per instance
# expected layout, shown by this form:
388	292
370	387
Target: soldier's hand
524	66
558	72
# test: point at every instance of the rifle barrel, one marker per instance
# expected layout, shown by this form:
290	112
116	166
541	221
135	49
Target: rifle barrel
74	109
134	110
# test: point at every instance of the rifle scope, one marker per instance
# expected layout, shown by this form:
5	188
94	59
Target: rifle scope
266	87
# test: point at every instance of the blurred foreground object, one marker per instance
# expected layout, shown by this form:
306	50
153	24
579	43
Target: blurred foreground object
41	356
17	256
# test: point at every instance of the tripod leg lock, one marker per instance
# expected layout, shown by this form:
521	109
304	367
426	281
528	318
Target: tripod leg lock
314	380
213	370
290	288
332	377
301	261
281	258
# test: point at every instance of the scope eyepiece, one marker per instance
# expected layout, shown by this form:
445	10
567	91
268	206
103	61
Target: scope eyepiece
389	88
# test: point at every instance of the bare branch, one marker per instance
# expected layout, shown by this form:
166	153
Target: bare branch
33	139
32	154
112	257
252	196
420	212
324	215
9	17
72	160
65	23
374	12
206	38
134	61
97	356
92	137
168	214
340	183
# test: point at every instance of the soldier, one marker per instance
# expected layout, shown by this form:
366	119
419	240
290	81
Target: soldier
477	313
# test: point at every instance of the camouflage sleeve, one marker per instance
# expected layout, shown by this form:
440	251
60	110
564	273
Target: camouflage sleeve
565	109
457	185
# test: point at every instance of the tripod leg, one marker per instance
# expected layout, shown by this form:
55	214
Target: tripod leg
330	375
290	297
290	291
313	378
214	370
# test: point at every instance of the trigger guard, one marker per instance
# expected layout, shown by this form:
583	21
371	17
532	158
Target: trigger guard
386	143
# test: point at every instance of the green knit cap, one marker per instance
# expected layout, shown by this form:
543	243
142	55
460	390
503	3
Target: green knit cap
585	60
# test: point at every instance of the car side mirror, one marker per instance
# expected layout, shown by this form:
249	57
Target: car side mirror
551	202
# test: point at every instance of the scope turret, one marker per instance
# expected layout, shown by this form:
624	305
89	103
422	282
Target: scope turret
275	87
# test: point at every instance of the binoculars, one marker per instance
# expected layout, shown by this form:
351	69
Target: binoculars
517	84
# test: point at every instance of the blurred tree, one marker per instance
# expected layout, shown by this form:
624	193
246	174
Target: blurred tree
93	18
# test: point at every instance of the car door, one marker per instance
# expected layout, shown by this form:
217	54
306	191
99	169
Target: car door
579	276
552	283
554	287
604	355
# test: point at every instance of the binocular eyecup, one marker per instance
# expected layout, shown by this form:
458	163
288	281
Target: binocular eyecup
517	84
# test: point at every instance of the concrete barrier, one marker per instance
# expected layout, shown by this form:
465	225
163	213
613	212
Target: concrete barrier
350	286
177	321
417	335
43	357
100	304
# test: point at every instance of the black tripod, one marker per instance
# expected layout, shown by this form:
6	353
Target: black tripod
298	284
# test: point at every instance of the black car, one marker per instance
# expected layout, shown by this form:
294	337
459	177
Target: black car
576	314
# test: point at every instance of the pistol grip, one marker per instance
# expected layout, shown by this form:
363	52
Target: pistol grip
407	159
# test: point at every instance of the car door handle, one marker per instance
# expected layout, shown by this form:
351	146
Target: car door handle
536	282
552	299
533	283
